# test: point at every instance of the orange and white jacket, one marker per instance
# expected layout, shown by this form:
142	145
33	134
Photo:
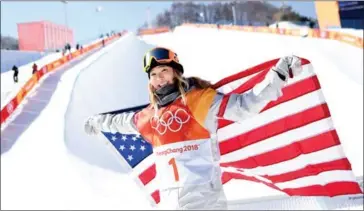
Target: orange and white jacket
184	140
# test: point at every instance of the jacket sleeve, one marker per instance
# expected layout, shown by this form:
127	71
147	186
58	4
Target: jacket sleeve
245	105
122	123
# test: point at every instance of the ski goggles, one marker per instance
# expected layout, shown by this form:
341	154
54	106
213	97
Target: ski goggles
160	55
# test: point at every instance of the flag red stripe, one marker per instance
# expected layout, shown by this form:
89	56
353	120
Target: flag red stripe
290	92
311	170
156	196
274	128
148	174
291	151
330	189
227	176
223	105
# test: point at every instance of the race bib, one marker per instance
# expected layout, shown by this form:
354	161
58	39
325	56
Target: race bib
184	163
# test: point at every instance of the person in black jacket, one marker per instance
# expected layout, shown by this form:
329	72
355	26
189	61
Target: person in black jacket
35	68
16	72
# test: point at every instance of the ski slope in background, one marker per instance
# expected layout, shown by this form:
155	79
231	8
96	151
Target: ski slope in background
39	173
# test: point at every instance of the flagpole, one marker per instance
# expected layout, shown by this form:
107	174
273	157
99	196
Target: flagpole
65	19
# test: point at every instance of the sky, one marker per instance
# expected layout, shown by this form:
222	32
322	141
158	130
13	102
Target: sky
87	23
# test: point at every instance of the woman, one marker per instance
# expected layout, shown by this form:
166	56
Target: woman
181	125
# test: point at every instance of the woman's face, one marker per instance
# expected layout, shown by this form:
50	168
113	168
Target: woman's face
161	76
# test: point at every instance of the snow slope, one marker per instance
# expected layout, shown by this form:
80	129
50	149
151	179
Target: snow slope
41	171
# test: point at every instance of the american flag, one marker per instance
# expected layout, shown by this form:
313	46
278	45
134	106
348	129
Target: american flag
291	146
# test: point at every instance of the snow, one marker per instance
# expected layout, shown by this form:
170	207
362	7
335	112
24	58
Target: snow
41	171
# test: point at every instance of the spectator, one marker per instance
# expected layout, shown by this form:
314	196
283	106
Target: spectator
78	46
35	68
103	43
68	47
16	72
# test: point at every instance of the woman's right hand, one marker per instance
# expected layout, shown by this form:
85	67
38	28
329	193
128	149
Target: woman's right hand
91	126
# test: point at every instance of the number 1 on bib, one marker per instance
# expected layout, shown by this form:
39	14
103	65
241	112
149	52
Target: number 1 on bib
172	162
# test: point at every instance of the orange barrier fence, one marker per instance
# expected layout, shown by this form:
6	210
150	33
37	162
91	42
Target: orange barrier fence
15	102
315	33
153	31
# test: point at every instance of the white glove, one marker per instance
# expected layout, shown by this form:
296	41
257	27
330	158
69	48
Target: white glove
288	66
91	126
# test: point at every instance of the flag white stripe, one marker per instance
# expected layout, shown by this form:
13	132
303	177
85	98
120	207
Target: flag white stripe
294	106
325	155
320	179
280	140
152	186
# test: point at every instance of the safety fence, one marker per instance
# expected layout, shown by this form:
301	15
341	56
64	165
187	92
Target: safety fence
153	30
303	32
10	107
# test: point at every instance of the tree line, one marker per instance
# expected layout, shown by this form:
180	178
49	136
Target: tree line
253	13
9	43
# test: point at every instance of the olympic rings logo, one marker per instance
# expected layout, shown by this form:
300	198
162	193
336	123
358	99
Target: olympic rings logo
165	122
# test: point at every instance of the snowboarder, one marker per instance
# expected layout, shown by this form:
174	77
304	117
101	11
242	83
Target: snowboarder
181	123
